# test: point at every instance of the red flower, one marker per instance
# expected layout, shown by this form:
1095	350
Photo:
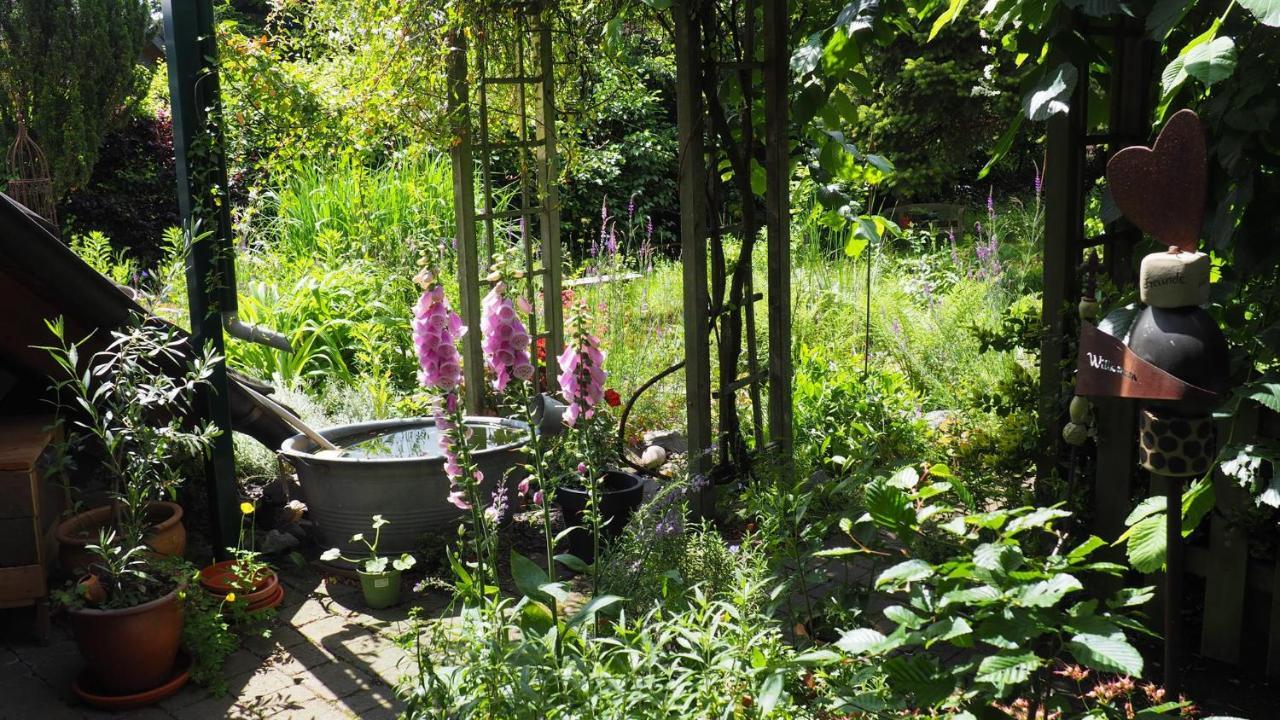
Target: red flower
566	297
542	349
611	396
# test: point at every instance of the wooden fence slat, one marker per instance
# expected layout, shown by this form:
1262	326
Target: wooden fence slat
1224	580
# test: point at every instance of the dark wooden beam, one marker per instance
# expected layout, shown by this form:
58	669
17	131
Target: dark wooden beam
693	245
191	52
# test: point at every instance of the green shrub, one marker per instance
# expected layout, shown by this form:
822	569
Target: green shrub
71	68
847	421
1016	611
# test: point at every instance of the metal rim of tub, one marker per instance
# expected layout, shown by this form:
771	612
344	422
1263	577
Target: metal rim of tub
301	447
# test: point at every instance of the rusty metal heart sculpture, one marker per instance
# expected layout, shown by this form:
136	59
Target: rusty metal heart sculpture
1161	189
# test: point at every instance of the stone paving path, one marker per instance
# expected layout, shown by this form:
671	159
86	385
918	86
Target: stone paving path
327	657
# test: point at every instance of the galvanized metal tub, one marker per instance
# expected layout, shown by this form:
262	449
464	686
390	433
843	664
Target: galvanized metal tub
344	492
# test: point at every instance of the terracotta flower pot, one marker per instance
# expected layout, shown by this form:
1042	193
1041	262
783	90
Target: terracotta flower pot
131	650
167	536
219	579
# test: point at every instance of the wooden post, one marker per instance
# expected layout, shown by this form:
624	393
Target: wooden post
693	246
1063	237
777	74
549	202
464	202
191	54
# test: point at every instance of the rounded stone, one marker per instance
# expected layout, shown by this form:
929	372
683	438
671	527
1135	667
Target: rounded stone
1177	465
1168	443
1173	280
1180	428
1156	461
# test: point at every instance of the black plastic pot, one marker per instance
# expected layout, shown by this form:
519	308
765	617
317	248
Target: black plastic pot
620	495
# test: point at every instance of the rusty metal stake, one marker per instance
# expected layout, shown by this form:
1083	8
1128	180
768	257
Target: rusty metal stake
1173	576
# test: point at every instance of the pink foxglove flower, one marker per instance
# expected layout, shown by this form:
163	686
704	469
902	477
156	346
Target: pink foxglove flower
436	329
506	342
582	376
452	468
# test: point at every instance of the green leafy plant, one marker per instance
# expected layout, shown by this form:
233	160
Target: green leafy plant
373	562
247	567
207	637
130	401
1006	587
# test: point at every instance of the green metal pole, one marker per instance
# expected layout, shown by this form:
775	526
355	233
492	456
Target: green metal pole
191	53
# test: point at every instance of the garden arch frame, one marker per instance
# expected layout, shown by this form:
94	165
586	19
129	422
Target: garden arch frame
713	305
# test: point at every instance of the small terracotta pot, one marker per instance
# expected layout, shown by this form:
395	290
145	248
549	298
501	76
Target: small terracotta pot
131	650
167	536
90	588
219	579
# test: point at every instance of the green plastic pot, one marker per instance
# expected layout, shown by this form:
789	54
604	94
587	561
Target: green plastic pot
381	590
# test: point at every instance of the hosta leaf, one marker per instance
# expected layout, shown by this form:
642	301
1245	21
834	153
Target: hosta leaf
999	559
969	596
1052	95
1009	632
905	572
1106	653
859	641
889	507
1212	61
1005	671
1132	597
903	616
1150	506
1048	593
1038	518
1086	548
1145	544
1266	11
588	611
948	631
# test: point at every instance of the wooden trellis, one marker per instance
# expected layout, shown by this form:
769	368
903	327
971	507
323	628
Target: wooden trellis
505	115
717	44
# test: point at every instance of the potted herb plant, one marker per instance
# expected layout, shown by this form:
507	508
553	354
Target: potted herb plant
127	617
244	581
380	583
130	402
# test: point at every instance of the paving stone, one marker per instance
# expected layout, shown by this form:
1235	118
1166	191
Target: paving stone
186	697
390	663
373	703
148	713
291	701
282	637
334	680
307	655
206	709
240	662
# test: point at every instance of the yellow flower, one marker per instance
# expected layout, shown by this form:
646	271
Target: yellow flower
246	508
231	597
